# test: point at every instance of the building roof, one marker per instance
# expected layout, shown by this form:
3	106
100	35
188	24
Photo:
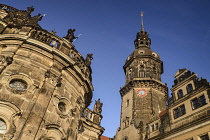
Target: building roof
104	138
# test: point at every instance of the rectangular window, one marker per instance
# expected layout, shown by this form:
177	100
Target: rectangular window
179	111
204	137
198	102
147	74
176	113
195	103
202	100
153	127
183	111
142	74
156	126
127	103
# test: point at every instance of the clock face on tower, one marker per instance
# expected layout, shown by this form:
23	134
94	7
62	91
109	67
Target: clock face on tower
141	92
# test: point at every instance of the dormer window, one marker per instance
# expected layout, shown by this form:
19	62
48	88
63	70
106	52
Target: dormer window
189	88
180	93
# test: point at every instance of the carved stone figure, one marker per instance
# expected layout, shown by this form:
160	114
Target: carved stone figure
80	126
34	20
70	36
30	9
52	78
88	59
98	106
10	17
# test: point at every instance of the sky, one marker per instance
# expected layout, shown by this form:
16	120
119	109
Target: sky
179	30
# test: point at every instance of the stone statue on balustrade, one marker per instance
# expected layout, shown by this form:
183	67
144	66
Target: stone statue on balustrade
34	20
70	36
88	59
98	106
22	17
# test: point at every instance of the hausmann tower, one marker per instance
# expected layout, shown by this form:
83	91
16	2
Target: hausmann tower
143	95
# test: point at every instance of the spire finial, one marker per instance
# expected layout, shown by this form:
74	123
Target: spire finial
142	22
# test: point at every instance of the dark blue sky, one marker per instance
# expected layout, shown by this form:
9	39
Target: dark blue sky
179	30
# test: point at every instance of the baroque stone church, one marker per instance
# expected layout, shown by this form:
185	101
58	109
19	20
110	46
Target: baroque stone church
46	88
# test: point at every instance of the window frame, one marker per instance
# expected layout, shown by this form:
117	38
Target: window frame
153	128
178	94
141	74
199	102
179	111
189	88
156	126
205	134
127	103
5	130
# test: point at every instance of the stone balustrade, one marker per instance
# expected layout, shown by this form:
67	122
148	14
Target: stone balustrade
62	45
88	114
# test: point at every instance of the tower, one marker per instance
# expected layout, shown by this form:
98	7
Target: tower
143	95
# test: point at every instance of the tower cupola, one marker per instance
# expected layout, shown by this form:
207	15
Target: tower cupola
142	40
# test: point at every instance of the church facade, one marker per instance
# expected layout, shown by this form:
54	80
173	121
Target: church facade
45	83
46	88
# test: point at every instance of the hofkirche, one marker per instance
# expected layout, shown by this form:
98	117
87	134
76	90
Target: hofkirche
46	88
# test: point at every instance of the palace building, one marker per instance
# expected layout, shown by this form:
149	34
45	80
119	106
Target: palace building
46	88
147	111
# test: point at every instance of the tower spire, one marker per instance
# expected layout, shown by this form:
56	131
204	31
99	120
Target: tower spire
142	22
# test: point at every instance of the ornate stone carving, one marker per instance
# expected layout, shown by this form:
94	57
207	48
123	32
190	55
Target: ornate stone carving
16	18
52	78
34	20
88	59
80	126
70	36
98	106
4	61
1	28
96	119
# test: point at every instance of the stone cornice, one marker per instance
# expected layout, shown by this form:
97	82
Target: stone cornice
146	83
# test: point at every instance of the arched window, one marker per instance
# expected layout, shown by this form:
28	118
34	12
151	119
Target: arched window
3	128
180	93
189	88
125	138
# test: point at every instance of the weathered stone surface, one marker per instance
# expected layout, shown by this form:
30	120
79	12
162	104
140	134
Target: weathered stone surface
45	84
